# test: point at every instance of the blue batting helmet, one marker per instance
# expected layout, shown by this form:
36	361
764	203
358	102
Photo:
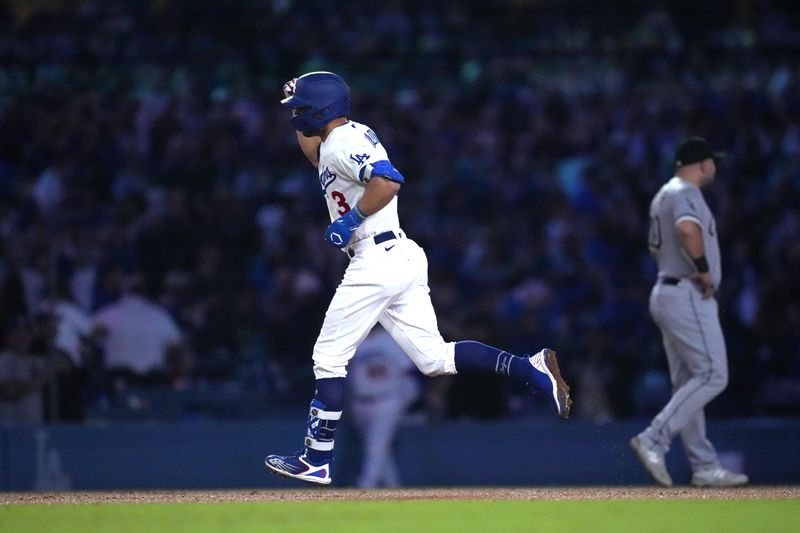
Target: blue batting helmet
318	98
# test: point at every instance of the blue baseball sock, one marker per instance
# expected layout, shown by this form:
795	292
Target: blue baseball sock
330	391
323	415
479	356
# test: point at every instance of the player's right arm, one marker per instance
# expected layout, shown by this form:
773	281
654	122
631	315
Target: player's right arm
377	195
689	227
310	147
691	238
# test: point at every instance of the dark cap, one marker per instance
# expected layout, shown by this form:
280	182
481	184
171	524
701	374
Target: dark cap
694	150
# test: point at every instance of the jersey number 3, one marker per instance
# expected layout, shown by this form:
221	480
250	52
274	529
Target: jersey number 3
341	201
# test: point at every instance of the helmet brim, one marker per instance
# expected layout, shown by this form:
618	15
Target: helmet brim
293	101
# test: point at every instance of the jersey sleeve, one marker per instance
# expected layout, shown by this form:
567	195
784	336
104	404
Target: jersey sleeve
686	205
367	158
353	157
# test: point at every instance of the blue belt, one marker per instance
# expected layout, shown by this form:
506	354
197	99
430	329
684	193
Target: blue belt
669	280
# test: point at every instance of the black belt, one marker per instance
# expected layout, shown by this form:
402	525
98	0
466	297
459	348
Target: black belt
669	280
379	238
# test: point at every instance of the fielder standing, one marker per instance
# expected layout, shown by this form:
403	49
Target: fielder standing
683	241
381	389
386	280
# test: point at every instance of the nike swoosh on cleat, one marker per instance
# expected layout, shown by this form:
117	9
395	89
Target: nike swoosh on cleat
389	247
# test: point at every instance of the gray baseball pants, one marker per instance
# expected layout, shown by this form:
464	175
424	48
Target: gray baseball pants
698	365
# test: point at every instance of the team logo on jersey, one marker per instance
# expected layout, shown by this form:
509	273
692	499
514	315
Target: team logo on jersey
326	177
358	159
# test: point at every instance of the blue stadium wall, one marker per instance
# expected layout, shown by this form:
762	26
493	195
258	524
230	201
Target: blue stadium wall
524	452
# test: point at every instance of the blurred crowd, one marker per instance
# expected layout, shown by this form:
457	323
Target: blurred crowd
147	171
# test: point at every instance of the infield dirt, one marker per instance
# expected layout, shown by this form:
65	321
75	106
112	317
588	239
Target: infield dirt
463	493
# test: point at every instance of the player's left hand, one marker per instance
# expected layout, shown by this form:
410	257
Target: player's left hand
703	282
341	230
288	87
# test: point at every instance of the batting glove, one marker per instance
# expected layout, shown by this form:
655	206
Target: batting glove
288	87
341	230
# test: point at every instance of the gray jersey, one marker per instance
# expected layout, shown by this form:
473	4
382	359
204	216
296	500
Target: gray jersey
679	200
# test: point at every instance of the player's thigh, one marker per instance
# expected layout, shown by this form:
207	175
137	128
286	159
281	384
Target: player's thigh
692	326
411	320
352	313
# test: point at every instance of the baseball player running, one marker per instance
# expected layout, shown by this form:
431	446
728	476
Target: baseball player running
386	280
683	241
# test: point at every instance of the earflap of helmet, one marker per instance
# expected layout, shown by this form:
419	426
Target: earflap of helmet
305	124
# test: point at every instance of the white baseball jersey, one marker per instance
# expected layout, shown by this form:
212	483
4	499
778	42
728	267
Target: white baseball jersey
344	171
386	282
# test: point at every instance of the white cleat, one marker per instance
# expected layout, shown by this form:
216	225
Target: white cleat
652	461
547	377
718	477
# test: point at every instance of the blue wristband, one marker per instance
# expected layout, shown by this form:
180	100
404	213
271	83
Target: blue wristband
353	218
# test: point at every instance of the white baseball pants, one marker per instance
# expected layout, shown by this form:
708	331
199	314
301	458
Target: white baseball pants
386	283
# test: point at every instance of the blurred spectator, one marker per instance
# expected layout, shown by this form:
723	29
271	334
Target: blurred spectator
74	353
23	376
141	342
73	327
381	388
149	134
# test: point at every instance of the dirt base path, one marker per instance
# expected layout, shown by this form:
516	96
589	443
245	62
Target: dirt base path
465	493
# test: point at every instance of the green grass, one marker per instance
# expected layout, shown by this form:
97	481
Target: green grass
596	516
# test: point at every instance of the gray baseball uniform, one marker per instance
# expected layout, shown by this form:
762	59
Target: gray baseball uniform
689	325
